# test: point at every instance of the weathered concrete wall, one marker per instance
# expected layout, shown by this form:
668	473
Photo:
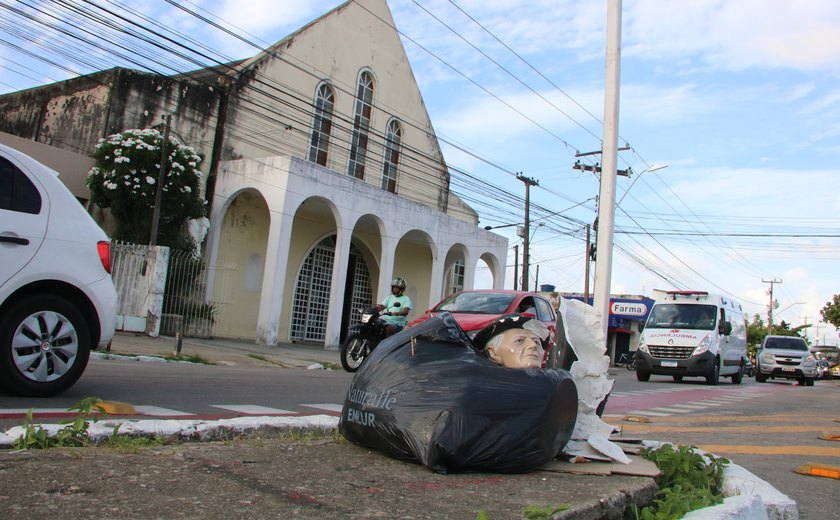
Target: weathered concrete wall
75	114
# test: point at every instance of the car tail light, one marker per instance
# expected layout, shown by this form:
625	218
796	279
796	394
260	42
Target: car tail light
104	248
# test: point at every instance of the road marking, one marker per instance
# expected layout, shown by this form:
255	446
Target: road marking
688	407
35	411
160	412
813	451
330	407
252	409
651	414
668	409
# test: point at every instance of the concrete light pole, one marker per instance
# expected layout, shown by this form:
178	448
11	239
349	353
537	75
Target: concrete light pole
606	200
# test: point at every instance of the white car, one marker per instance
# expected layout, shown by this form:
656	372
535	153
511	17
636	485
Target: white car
57	299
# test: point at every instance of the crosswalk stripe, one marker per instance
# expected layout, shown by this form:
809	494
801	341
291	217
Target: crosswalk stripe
251	409
35	411
669	409
326	406
687	406
158	411
646	412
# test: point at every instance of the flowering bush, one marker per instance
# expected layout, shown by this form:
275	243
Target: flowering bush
125	178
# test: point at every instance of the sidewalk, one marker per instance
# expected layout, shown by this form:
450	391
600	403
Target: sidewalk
252	468
226	351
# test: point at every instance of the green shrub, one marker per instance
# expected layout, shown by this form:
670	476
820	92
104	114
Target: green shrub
689	481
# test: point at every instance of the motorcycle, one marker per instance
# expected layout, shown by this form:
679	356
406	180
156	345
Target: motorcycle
362	338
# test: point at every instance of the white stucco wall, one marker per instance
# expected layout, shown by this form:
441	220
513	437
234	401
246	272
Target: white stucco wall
344	201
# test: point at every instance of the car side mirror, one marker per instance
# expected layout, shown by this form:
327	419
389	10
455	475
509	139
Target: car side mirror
640	325
725	328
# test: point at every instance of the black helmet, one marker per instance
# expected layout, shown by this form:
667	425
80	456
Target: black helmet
398	282
512	321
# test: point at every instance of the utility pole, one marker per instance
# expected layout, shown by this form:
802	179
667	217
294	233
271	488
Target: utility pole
515	265
588	260
161	179
770	307
606	199
525	238
537	278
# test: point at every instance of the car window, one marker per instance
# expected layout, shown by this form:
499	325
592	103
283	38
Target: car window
790	343
482	303
17	192
526	305
544	310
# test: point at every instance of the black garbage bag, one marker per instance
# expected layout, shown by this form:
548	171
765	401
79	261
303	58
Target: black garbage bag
427	395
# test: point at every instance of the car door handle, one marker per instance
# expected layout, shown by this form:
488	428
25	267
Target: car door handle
15	240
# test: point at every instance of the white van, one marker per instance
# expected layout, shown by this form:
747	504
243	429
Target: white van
693	333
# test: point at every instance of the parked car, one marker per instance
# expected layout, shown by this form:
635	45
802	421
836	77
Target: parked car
475	309
835	371
785	357
823	369
749	368
57	299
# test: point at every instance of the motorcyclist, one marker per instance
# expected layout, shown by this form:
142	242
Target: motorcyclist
395	307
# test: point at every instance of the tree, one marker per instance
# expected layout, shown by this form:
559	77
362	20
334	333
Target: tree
831	312
124	180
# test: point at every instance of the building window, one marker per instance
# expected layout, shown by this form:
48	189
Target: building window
393	137
322	125
361	126
456	277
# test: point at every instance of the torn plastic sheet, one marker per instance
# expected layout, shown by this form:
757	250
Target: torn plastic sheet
582	327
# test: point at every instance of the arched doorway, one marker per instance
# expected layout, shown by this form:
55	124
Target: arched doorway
311	304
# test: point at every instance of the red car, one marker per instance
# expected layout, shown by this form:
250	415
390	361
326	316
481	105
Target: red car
475	309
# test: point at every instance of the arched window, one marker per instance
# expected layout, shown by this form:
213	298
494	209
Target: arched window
322	125
361	126
393	137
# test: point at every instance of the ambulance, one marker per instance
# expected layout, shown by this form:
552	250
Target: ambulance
693	334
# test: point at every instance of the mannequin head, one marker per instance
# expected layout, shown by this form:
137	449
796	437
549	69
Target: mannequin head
514	341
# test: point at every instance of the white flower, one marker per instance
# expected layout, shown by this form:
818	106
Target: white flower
122	159
150	180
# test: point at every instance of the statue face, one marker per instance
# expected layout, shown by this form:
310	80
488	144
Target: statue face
518	348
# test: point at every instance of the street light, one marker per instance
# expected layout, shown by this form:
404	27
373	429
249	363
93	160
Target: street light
651	169
526	240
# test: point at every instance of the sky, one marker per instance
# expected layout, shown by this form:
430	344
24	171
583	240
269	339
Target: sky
739	100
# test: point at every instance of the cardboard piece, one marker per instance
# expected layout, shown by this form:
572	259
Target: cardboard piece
638	466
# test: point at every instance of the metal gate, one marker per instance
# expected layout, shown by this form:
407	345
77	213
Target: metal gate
188	307
312	292
163	292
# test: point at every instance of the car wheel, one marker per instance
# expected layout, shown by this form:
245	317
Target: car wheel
44	346
714	377
642	376
759	377
809	381
677	378
738	376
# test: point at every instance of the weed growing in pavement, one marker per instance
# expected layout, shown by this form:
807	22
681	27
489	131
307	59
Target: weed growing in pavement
75	432
532	512
192	358
689	481
131	444
310	434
